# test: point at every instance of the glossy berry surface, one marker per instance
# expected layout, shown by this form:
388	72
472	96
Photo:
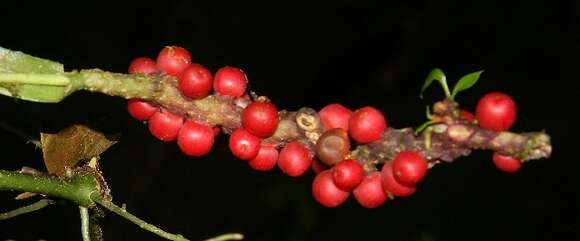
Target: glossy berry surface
173	60
326	192
370	193
260	119
141	110
244	145
195	139
409	167
265	160
230	81
142	65
333	146
506	163
466	115
366	125
496	111
393	186
335	116
347	174
165	125
195	81
294	159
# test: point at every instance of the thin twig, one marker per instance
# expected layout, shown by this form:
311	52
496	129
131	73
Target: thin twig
227	236
85	223
26	209
139	222
20	133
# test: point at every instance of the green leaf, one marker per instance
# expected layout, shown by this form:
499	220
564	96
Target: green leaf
465	82
18	62
435	74
30	78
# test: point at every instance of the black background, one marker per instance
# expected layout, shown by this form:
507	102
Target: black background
310	54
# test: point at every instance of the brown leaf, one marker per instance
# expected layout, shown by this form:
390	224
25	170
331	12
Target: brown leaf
66	148
25	195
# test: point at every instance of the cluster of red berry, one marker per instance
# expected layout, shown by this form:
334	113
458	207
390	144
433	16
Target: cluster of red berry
195	81
370	188
337	174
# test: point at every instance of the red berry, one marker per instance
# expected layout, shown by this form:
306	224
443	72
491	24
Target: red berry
141	110
165	125
318	167
409	167
294	159
142	65
391	185
347	174
195	139
370	192
506	163
326	192
230	81
466	115
195	81
366	125
496	111
244	145
260	118
335	116
173	60
265	160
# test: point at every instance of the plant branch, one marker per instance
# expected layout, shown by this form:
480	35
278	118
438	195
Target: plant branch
26	209
77	189
20	133
85	223
139	222
228	236
449	136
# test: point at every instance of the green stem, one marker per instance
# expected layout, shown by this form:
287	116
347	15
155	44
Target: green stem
423	126
78	189
34	79
227	236
26	209
134	219
85	223
446	88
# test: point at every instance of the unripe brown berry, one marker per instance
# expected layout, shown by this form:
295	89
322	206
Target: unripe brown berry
333	146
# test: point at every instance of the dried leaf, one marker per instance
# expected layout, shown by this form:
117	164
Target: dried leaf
65	149
25	195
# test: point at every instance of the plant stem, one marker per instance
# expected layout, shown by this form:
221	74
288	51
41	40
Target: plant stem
20	133
446	88
134	219
34	79
26	209
78	189
85	223
227	236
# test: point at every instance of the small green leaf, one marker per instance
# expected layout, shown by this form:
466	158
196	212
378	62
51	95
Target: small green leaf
18	62
465	82
435	74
